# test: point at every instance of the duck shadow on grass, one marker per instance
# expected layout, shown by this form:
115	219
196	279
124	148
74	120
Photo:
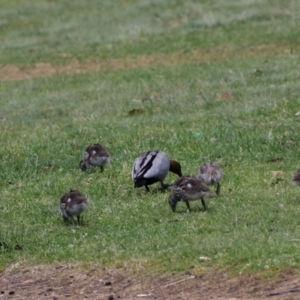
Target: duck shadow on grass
195	209
153	191
70	223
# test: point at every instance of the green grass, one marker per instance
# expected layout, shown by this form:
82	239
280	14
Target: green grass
246	118
38	31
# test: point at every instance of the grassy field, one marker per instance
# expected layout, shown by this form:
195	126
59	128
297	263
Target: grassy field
221	82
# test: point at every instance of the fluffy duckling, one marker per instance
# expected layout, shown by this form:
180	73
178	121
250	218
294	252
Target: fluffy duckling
296	178
72	204
151	167
189	188
211	174
95	155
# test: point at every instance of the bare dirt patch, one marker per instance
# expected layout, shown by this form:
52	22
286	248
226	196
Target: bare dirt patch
43	69
67	281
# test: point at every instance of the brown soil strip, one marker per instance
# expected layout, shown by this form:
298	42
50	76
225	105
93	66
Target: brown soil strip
67	281
43	69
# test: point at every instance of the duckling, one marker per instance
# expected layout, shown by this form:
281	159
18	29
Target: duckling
153	166
189	188
72	204
296	178
95	155
211	174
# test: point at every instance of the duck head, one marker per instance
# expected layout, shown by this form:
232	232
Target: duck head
175	167
82	165
173	202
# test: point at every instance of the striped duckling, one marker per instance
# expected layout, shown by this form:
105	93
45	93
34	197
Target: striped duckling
72	204
189	188
296	178
95	155
151	167
211	174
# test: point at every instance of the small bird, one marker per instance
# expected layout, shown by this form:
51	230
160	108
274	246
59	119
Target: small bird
296	178
189	188
72	204
211	174
95	155
151	167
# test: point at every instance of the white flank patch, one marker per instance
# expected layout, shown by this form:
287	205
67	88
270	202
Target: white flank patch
159	166
189	185
69	200
93	152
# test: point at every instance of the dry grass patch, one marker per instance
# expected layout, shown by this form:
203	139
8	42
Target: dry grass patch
226	52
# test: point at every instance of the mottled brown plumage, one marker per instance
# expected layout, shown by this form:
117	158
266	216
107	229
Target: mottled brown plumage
95	156
73	203
211	174
296	178
189	188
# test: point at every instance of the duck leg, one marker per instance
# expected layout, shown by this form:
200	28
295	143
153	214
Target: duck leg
203	203
188	205
218	188
164	186
174	207
66	219
73	221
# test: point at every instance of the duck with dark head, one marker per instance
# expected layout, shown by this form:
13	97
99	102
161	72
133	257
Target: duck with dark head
153	166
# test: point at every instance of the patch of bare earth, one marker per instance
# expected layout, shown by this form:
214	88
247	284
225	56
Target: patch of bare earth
43	69
67	281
